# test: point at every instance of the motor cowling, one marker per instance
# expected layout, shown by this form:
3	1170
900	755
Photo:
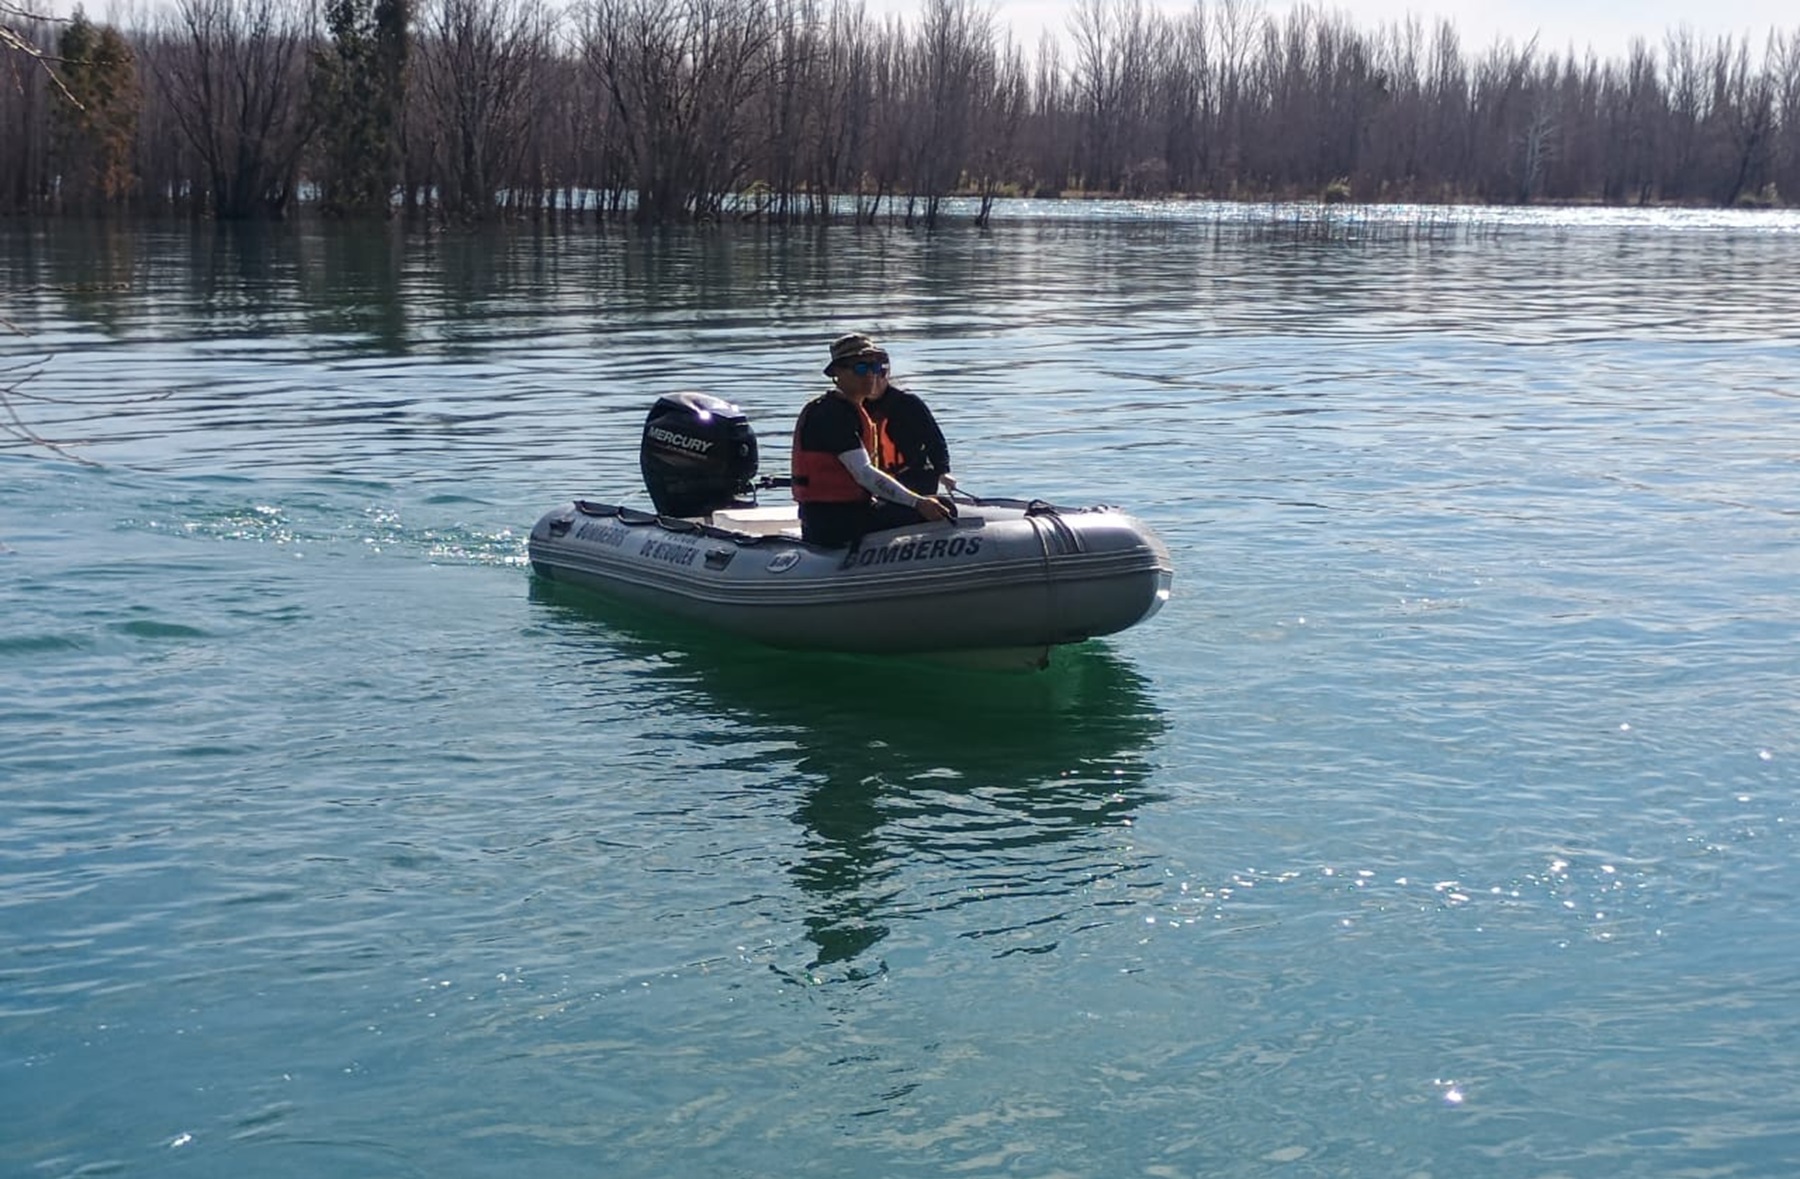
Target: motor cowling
698	454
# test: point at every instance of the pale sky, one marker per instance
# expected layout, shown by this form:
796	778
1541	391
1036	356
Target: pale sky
1606	25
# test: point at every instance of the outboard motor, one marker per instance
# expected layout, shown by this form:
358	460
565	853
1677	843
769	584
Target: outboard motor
698	455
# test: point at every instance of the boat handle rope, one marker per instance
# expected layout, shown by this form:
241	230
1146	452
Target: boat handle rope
633	518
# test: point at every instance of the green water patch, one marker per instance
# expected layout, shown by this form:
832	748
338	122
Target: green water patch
145	628
1086	721
43	643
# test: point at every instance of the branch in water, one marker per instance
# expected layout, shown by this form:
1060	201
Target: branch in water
12	380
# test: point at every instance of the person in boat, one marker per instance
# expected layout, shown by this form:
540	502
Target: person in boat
841	492
912	447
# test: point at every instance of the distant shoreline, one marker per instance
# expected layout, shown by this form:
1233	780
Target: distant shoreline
715	111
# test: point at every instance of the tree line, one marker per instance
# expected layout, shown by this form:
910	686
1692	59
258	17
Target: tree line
803	110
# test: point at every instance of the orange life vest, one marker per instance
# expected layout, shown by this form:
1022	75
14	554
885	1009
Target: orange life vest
819	477
885	455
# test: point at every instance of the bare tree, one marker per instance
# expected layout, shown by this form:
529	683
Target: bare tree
1503	108
843	98
479	65
679	74
1679	163
1235	25
1746	114
1112	85
25	78
788	108
234	73
997	125
1536	145
892	126
1784	53
781	108
952	78
1631	125
13	37
18	39
1581	152
1180	108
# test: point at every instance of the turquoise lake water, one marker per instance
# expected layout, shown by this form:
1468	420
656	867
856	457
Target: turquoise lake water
1443	824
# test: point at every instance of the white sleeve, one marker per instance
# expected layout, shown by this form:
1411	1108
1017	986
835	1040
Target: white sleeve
877	483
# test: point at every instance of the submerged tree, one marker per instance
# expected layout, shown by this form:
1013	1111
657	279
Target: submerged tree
482	69
358	87
95	132
24	76
783	109
680	76
234	72
951	82
1745	101
1784	59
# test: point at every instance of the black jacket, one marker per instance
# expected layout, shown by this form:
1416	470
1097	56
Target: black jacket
914	432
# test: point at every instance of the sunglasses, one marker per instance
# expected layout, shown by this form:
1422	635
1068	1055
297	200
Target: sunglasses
864	368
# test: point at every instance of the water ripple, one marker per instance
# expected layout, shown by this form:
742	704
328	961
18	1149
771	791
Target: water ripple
1453	779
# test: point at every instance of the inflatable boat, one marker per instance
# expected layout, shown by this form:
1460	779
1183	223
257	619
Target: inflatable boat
1011	578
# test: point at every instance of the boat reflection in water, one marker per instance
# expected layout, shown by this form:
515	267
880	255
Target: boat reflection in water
918	787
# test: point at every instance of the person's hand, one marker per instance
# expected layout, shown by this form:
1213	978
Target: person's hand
932	508
948	480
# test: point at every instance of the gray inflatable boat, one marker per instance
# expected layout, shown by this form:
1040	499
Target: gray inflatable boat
1011	578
